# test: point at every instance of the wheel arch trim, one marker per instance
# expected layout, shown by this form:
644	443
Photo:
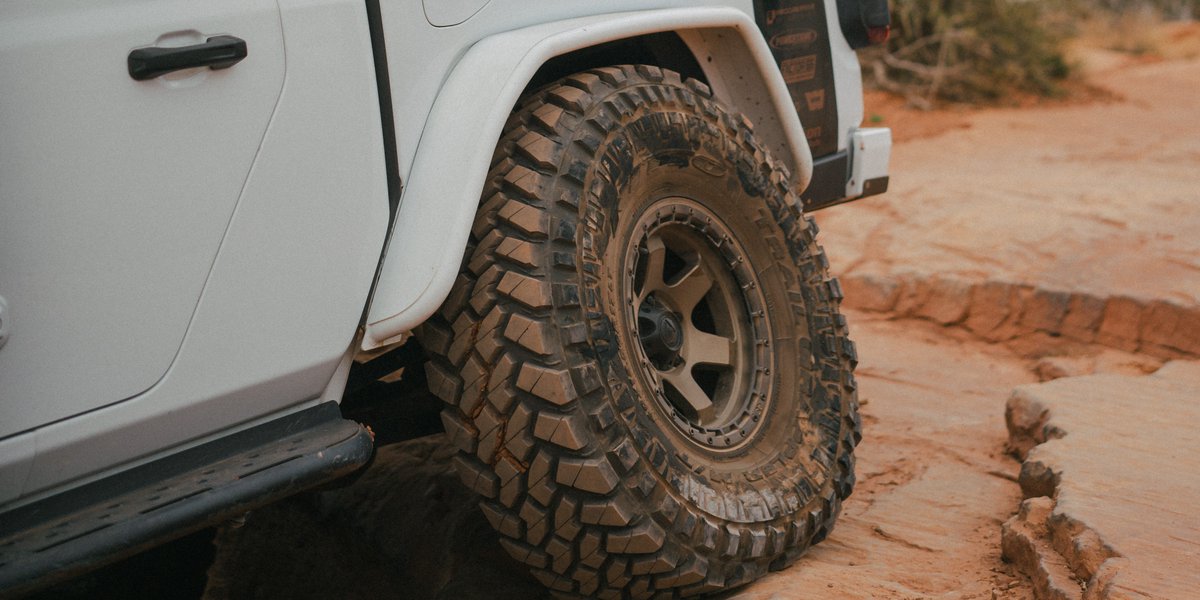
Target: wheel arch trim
451	162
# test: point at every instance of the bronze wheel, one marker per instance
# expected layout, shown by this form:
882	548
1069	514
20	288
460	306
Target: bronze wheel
701	322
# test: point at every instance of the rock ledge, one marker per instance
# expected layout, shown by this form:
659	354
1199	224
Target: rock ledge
1110	477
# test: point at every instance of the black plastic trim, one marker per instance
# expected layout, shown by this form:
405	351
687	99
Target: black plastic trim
111	519
387	118
828	184
187	460
874	187
800	41
391	156
663	49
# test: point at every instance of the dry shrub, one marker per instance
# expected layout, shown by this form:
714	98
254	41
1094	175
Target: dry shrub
1135	26
995	51
1135	32
972	51
1171	10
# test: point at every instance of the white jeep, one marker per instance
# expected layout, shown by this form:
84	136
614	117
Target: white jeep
215	214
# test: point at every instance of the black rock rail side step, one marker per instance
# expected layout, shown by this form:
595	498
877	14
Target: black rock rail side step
116	517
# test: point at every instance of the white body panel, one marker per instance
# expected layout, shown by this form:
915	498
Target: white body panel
116	192
445	13
289	283
451	157
847	78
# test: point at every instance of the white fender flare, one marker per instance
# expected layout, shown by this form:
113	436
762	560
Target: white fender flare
452	159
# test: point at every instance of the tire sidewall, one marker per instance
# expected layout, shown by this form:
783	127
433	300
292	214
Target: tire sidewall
656	155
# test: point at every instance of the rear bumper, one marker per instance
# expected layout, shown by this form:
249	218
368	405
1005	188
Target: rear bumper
859	171
870	152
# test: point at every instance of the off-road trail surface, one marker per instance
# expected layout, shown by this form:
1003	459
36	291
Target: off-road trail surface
1097	199
934	483
1015	245
1000	225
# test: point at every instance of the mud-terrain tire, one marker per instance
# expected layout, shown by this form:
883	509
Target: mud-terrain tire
598	461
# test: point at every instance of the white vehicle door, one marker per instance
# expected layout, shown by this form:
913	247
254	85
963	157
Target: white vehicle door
127	131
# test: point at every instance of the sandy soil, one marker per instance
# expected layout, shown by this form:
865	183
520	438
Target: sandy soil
1100	198
1097	198
934	482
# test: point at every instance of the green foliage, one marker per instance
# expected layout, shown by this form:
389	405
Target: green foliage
978	51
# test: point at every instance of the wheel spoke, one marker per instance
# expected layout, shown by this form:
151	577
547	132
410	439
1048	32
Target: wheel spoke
656	259
689	289
698	401
700	348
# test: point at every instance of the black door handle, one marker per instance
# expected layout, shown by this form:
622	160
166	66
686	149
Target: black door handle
219	52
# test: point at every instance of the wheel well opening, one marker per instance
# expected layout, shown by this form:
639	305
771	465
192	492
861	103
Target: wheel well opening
665	50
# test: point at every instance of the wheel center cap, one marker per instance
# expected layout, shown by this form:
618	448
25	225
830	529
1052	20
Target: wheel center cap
672	337
660	331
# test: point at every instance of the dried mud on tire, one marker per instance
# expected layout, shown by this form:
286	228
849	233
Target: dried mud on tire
578	464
